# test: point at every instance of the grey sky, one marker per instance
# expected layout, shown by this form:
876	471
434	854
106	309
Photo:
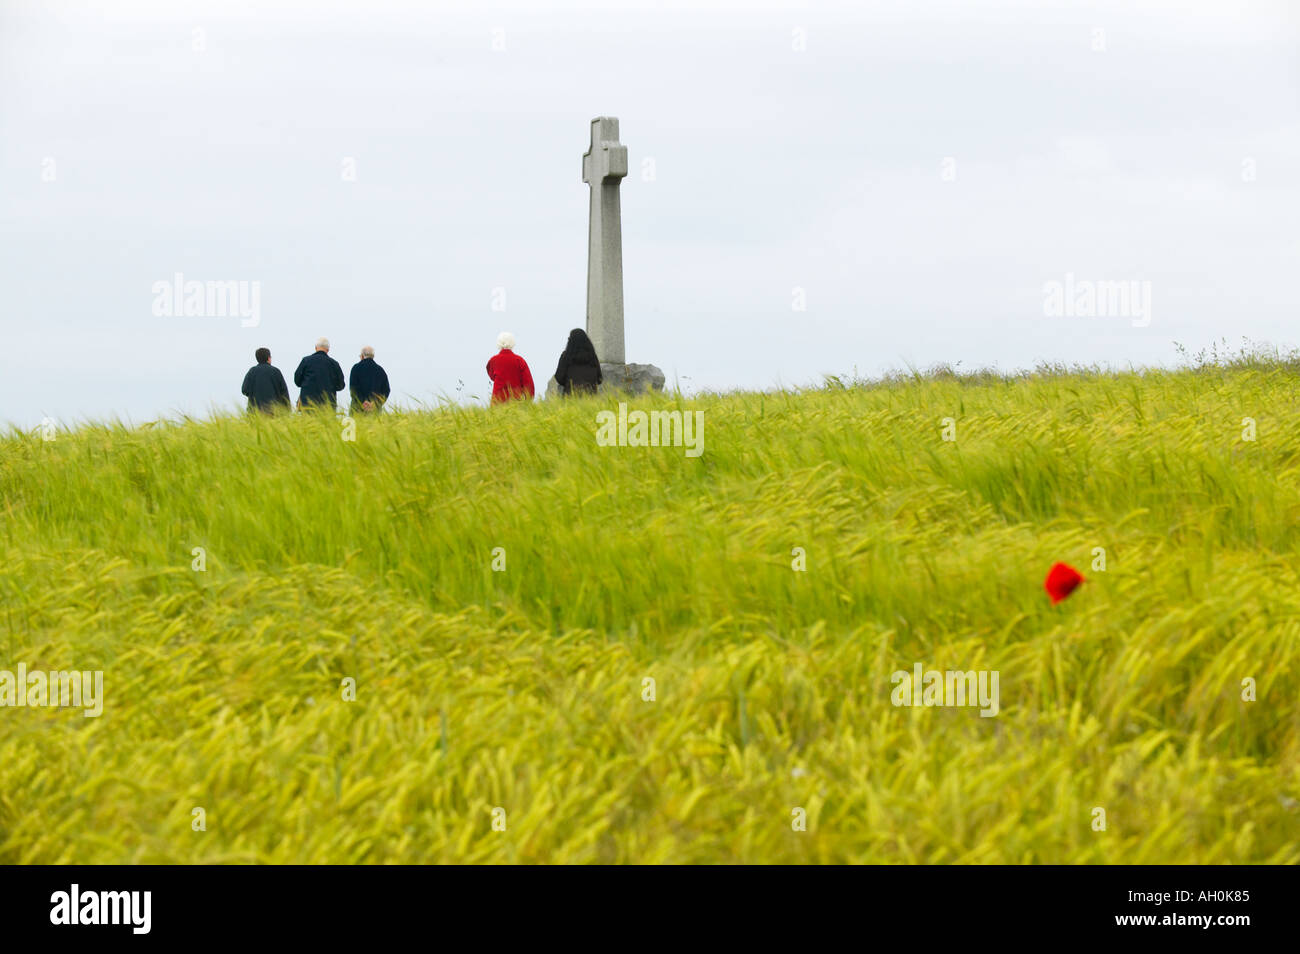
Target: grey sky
775	168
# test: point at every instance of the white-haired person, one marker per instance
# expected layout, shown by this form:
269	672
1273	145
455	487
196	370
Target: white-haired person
368	383
511	379
318	377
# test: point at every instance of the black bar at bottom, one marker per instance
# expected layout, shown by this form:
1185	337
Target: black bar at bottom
333	904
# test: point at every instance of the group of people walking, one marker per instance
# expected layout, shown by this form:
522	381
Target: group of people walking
319	377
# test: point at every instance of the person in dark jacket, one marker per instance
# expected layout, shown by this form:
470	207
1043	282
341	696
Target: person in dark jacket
264	385
368	383
579	368
318	377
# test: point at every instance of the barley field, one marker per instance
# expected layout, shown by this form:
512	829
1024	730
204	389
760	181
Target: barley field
308	655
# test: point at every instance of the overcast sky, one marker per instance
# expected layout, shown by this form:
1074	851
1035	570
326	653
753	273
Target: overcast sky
913	174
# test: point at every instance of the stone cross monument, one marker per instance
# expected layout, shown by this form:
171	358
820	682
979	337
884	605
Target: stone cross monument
603	167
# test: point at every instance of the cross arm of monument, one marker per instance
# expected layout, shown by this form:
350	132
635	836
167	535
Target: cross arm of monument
607	158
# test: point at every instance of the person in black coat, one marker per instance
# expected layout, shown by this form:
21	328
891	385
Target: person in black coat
264	385
368	383
579	369
318	376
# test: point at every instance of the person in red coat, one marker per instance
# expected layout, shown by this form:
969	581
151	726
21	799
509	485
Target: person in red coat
511	379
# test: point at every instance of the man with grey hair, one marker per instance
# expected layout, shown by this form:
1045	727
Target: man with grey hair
318	377
368	383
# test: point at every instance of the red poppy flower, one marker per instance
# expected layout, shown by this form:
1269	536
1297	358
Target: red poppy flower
1062	580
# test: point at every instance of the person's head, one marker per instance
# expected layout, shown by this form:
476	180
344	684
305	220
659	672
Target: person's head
367	352
506	341
263	355
322	344
579	344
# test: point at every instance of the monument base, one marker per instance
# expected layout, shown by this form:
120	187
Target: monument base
631	378
621	379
